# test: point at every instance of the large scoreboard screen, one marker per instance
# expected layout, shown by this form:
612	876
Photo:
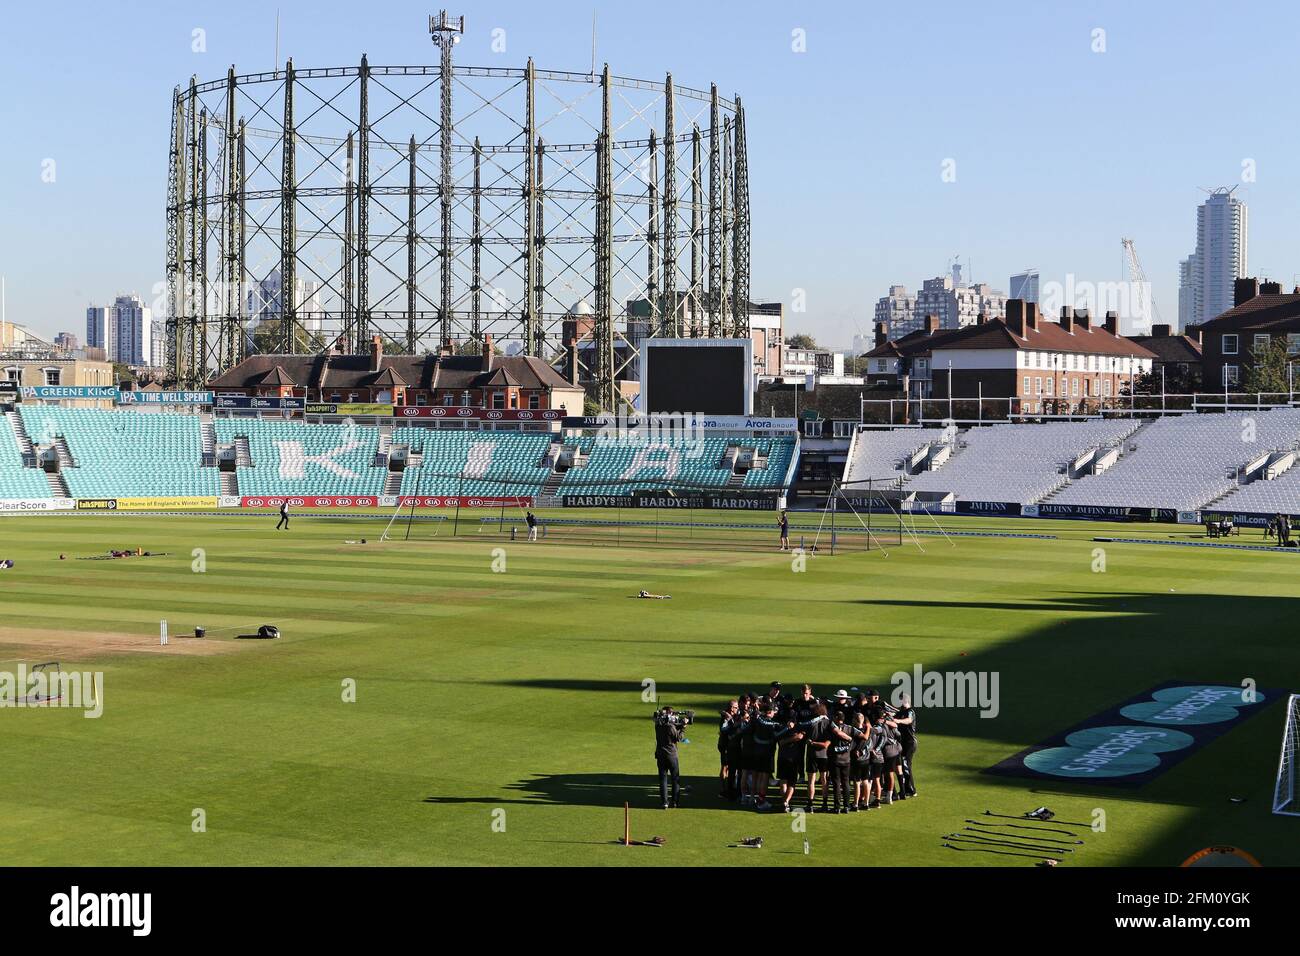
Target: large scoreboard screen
708	376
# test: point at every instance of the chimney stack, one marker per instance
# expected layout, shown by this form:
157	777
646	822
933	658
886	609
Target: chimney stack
981	319
1243	290
487	352
573	361
1066	320
1031	316
931	324
1111	324
1015	315
881	335
376	353
1270	288
1160	331
1082	320
1193	332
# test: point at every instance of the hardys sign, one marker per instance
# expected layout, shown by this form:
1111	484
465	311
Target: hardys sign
1141	738
705	500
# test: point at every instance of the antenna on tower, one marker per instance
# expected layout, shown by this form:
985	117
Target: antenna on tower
445	30
593	44
275	65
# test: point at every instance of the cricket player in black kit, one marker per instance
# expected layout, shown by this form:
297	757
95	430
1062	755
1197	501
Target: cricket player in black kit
763	730
668	733
842	737
284	516
728	716
905	722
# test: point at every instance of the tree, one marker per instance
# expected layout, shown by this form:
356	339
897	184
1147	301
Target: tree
1268	373
801	341
856	365
1178	379
268	336
474	347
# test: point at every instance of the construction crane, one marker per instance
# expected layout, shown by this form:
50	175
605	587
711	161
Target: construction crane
1144	302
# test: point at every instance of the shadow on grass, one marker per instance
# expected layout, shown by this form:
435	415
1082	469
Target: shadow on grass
1095	651
598	790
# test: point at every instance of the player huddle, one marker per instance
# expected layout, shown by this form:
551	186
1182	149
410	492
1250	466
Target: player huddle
856	751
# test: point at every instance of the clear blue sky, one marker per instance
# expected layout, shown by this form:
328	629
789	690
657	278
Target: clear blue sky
1059	151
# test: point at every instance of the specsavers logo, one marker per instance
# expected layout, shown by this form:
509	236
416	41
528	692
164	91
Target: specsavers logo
1126	750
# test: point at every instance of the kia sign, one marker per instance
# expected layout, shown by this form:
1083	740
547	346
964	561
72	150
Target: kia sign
479	414
463	501
310	501
375	501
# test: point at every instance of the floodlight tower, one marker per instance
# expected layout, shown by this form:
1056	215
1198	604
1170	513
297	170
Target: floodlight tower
446	32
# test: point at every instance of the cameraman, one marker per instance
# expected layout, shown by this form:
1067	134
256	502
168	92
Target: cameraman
669	733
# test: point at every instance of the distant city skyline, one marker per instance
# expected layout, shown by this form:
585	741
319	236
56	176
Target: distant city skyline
837	216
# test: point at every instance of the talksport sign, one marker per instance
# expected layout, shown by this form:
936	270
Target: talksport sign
1139	739
351	408
166	504
146	503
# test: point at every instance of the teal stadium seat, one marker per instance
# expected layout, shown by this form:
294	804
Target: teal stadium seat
157	454
15	480
475	463
295	458
616	465
125	454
